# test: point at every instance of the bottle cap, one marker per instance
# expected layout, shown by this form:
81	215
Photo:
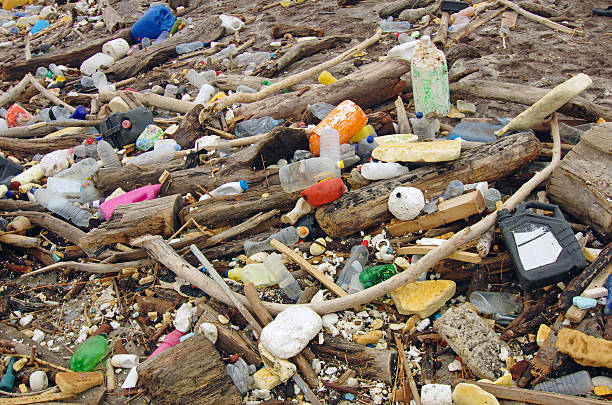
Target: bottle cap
226	275
365	243
302	232
98	138
370	139
89	141
419	114
126	124
244	185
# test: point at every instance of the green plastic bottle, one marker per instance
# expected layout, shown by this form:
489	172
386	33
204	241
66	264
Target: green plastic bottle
376	274
89	354
8	379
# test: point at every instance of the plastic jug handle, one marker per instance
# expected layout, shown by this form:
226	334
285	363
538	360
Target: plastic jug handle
543	206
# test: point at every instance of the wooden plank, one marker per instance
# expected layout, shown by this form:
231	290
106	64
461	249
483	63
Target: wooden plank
576	314
333	287
459	255
535	397
509	19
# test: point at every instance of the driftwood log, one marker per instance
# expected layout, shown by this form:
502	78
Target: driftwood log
158	217
30	147
367	206
131	177
394	9
188	373
585	172
367	362
368	86
280	30
527	95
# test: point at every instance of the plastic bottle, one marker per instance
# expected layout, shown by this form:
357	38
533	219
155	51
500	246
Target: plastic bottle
231	24
382	170
422	127
87	83
347	151
430	79
253	58
160	154
354	265
172	339
355	285
330	144
55	70
8	379
404	37
125	360
205	93
223	53
347	118
376	274
86	150
493	302
8	170
256	126
56	161
287	236
475	131
404	50
101	83
41	73
459	25
231	188
365	148
116	48
107	154
161	37
140	194
304	173
240	373
454	189
491	197
395	26
156	19
320	110
61	206
571	384
324	192
245	89
199	79
89	353
33	174
189	47
363	133
256	273
93	63
283	277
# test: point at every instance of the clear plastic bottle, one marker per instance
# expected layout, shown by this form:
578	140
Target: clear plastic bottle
476	131
572	384
224	53
430	79
55	70
89	193
189	47
355	263
422	127
231	188
87	150
41	73
145	42
205	93
494	302
454	189
80	170
365	148
161	38
395	26
459	25
355	285
320	110
240	372
256	273
287	236
256	126
101	82
160	154
382	170
404	37
196	79
107	154
62	207
404	50
283	277
245	89
330	144
254	58
491	197
304	173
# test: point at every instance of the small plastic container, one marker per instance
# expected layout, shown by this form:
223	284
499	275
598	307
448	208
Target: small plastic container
140	194
283	277
231	24
347	118
205	94
366	147
454	189
572	384
354	265
324	192
287	236
422	127
304	173
382	170
256	273
330	144
95	62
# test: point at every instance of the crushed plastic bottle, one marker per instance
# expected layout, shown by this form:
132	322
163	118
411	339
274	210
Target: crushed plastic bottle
454	189
160	154
492	302
287	236
188	47
101	83
240	372
475	131
430	79
459	25
256	126
330	144
256	273
283	277
365	148
382	170
395	26
572	384
224	53
255	58
245	89
231	188
304	173
422	127
61	206
354	265
80	170
107	154
86	150
161	37
405	50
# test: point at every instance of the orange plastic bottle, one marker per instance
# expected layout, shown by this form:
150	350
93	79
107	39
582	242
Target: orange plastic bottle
347	118
324	192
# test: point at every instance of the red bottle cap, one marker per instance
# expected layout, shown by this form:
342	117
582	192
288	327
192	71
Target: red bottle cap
365	243
89	141
126	124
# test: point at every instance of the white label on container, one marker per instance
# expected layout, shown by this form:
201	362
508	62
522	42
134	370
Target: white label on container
537	247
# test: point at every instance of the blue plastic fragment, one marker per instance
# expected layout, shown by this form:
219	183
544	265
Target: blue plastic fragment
584	302
349	397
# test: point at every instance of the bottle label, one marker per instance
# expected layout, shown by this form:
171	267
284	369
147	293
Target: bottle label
537	246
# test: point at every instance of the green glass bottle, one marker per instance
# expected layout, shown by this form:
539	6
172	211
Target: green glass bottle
8	379
89	354
376	274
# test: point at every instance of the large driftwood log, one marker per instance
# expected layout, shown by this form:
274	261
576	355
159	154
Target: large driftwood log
30	147
367	206
206	30
157	217
300	51
394	9
131	177
369	86
188	373
14	70
280	30
585	172
527	95
367	362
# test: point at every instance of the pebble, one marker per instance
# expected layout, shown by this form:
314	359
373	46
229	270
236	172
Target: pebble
223	319
38	381
455	366
25	321
465	107
470	394
595	292
209	331
38	335
264	395
331	370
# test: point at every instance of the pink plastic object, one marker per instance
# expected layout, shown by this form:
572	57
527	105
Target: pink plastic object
140	194
172	339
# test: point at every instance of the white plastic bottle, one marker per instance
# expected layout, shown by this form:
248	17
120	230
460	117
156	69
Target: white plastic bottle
205	94
366	147
382	170
159	154
33	174
430	79
231	188
80	170
330	144
93	63
404	50
303	174
62	207
283	277
107	154
422	127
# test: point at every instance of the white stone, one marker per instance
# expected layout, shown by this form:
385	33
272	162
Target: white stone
210	331
352	382
38	381
329	321
454	366
184	314
331	370
436	394
38	336
423	324
291	331
405	203
25	321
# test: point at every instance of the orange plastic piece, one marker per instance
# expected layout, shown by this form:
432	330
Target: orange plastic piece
10	4
347	118
324	192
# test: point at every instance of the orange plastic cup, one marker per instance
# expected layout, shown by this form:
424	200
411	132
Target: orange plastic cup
347	118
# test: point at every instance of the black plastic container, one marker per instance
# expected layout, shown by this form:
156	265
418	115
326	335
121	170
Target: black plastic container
122	129
8	170
533	242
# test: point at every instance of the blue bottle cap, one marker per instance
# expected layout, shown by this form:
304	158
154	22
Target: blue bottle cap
98	138
226	273
79	113
370	139
177	147
244	185
419	115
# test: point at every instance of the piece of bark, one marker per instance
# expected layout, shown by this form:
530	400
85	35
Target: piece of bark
440	38
195	361
300	51
479	281
367	87
382	122
394	9
30	147
158	217
585	171
190	128
527	95
14	70
517	327
280	30
112	19
17	205
206	30
367	362
367	206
